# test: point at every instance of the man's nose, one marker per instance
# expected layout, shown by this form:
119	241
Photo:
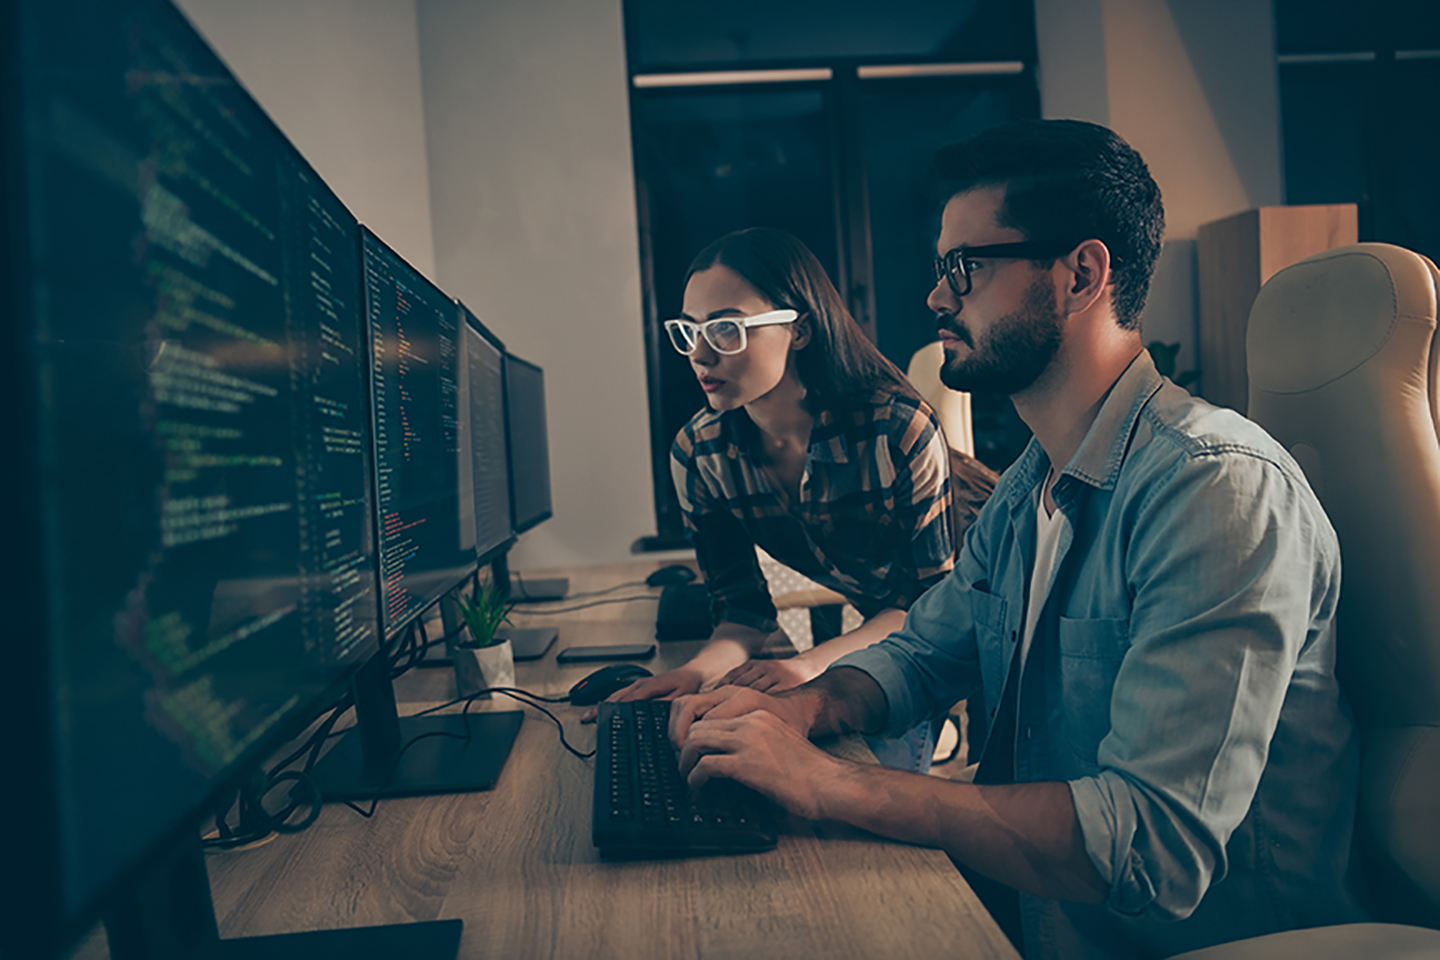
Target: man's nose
942	299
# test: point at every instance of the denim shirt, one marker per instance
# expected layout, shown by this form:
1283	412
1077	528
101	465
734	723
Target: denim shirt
1180	680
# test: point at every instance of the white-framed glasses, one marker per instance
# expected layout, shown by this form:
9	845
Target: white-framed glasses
725	335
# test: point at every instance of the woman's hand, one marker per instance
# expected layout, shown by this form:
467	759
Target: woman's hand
772	676
666	686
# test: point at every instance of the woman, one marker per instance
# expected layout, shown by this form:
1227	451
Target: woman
815	448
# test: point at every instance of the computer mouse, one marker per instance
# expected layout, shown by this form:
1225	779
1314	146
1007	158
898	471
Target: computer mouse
606	681
675	575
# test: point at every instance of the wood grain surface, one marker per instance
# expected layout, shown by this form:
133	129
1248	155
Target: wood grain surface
517	865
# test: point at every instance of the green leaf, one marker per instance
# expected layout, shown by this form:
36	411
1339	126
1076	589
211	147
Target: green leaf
483	614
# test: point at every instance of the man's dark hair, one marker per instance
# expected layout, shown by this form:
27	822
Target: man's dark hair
1069	181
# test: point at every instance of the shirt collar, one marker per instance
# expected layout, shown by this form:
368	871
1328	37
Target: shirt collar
1101	454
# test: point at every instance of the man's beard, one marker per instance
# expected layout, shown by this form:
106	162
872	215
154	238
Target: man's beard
1014	352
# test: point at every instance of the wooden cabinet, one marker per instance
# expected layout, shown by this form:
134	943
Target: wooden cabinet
1235	256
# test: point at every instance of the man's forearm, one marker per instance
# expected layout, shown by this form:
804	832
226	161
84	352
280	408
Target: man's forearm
842	700
1024	835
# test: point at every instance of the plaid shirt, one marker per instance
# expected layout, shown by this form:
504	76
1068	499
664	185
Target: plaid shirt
872	521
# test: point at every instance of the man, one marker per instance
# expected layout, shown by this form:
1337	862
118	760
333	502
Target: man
1144	607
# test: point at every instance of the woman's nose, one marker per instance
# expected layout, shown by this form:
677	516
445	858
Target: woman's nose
704	354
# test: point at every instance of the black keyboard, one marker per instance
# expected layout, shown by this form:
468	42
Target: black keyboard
643	806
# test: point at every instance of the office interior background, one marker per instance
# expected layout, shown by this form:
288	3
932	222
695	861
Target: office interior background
524	155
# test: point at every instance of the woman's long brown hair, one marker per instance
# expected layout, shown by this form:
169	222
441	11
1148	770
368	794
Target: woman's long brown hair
840	367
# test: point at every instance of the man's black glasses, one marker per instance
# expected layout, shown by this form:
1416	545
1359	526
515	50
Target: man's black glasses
953	268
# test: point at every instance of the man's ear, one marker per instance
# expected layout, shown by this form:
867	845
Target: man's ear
800	332
1089	265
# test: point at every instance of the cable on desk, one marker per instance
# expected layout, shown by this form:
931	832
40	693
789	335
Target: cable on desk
255	823
560	727
524	601
525	697
594	603
375	800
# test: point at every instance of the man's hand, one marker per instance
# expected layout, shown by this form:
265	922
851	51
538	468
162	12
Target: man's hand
765	753
772	676
726	703
667	686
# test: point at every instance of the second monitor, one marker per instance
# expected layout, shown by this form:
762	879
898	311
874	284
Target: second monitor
529	447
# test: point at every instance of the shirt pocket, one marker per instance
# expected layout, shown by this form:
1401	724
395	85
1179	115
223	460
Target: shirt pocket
1091	651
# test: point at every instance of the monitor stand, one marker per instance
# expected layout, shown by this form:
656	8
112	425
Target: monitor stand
529	643
167	913
538	591
520	590
386	755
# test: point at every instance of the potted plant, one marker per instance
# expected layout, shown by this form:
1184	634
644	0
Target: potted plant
483	659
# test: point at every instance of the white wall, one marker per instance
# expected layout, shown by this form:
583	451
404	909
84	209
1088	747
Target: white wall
342	79
533	199
505	175
1192	85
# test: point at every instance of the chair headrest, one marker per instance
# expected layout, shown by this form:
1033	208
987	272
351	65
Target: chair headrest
1342	306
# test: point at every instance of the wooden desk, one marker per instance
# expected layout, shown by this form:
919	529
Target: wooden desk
516	863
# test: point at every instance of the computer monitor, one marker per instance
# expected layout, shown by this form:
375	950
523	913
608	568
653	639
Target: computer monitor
425	550
188	506
484	468
422	446
529	465
489	466
529	443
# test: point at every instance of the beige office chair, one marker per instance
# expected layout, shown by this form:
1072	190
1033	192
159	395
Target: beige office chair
971	481
952	408
1345	372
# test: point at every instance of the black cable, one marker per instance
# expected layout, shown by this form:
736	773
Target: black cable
411	650
279	821
514	693
261	823
375	800
558	725
321	734
592	603
581	596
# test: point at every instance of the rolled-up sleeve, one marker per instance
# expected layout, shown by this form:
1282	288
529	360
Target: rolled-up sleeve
1213	648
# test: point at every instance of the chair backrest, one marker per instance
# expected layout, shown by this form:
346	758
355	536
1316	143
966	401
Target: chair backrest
971	482
1343	360
952	408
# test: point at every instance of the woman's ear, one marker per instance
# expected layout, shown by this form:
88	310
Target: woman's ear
800	332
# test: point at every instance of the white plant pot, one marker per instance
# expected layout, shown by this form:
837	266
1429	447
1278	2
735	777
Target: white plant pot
478	669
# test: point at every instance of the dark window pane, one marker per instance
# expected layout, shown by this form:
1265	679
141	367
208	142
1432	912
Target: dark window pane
670	33
1323	128
1325	26
1408	196
1352	135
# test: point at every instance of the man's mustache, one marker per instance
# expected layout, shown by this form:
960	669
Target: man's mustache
949	323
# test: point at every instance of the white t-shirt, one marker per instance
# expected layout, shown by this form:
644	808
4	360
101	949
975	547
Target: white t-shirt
1047	544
